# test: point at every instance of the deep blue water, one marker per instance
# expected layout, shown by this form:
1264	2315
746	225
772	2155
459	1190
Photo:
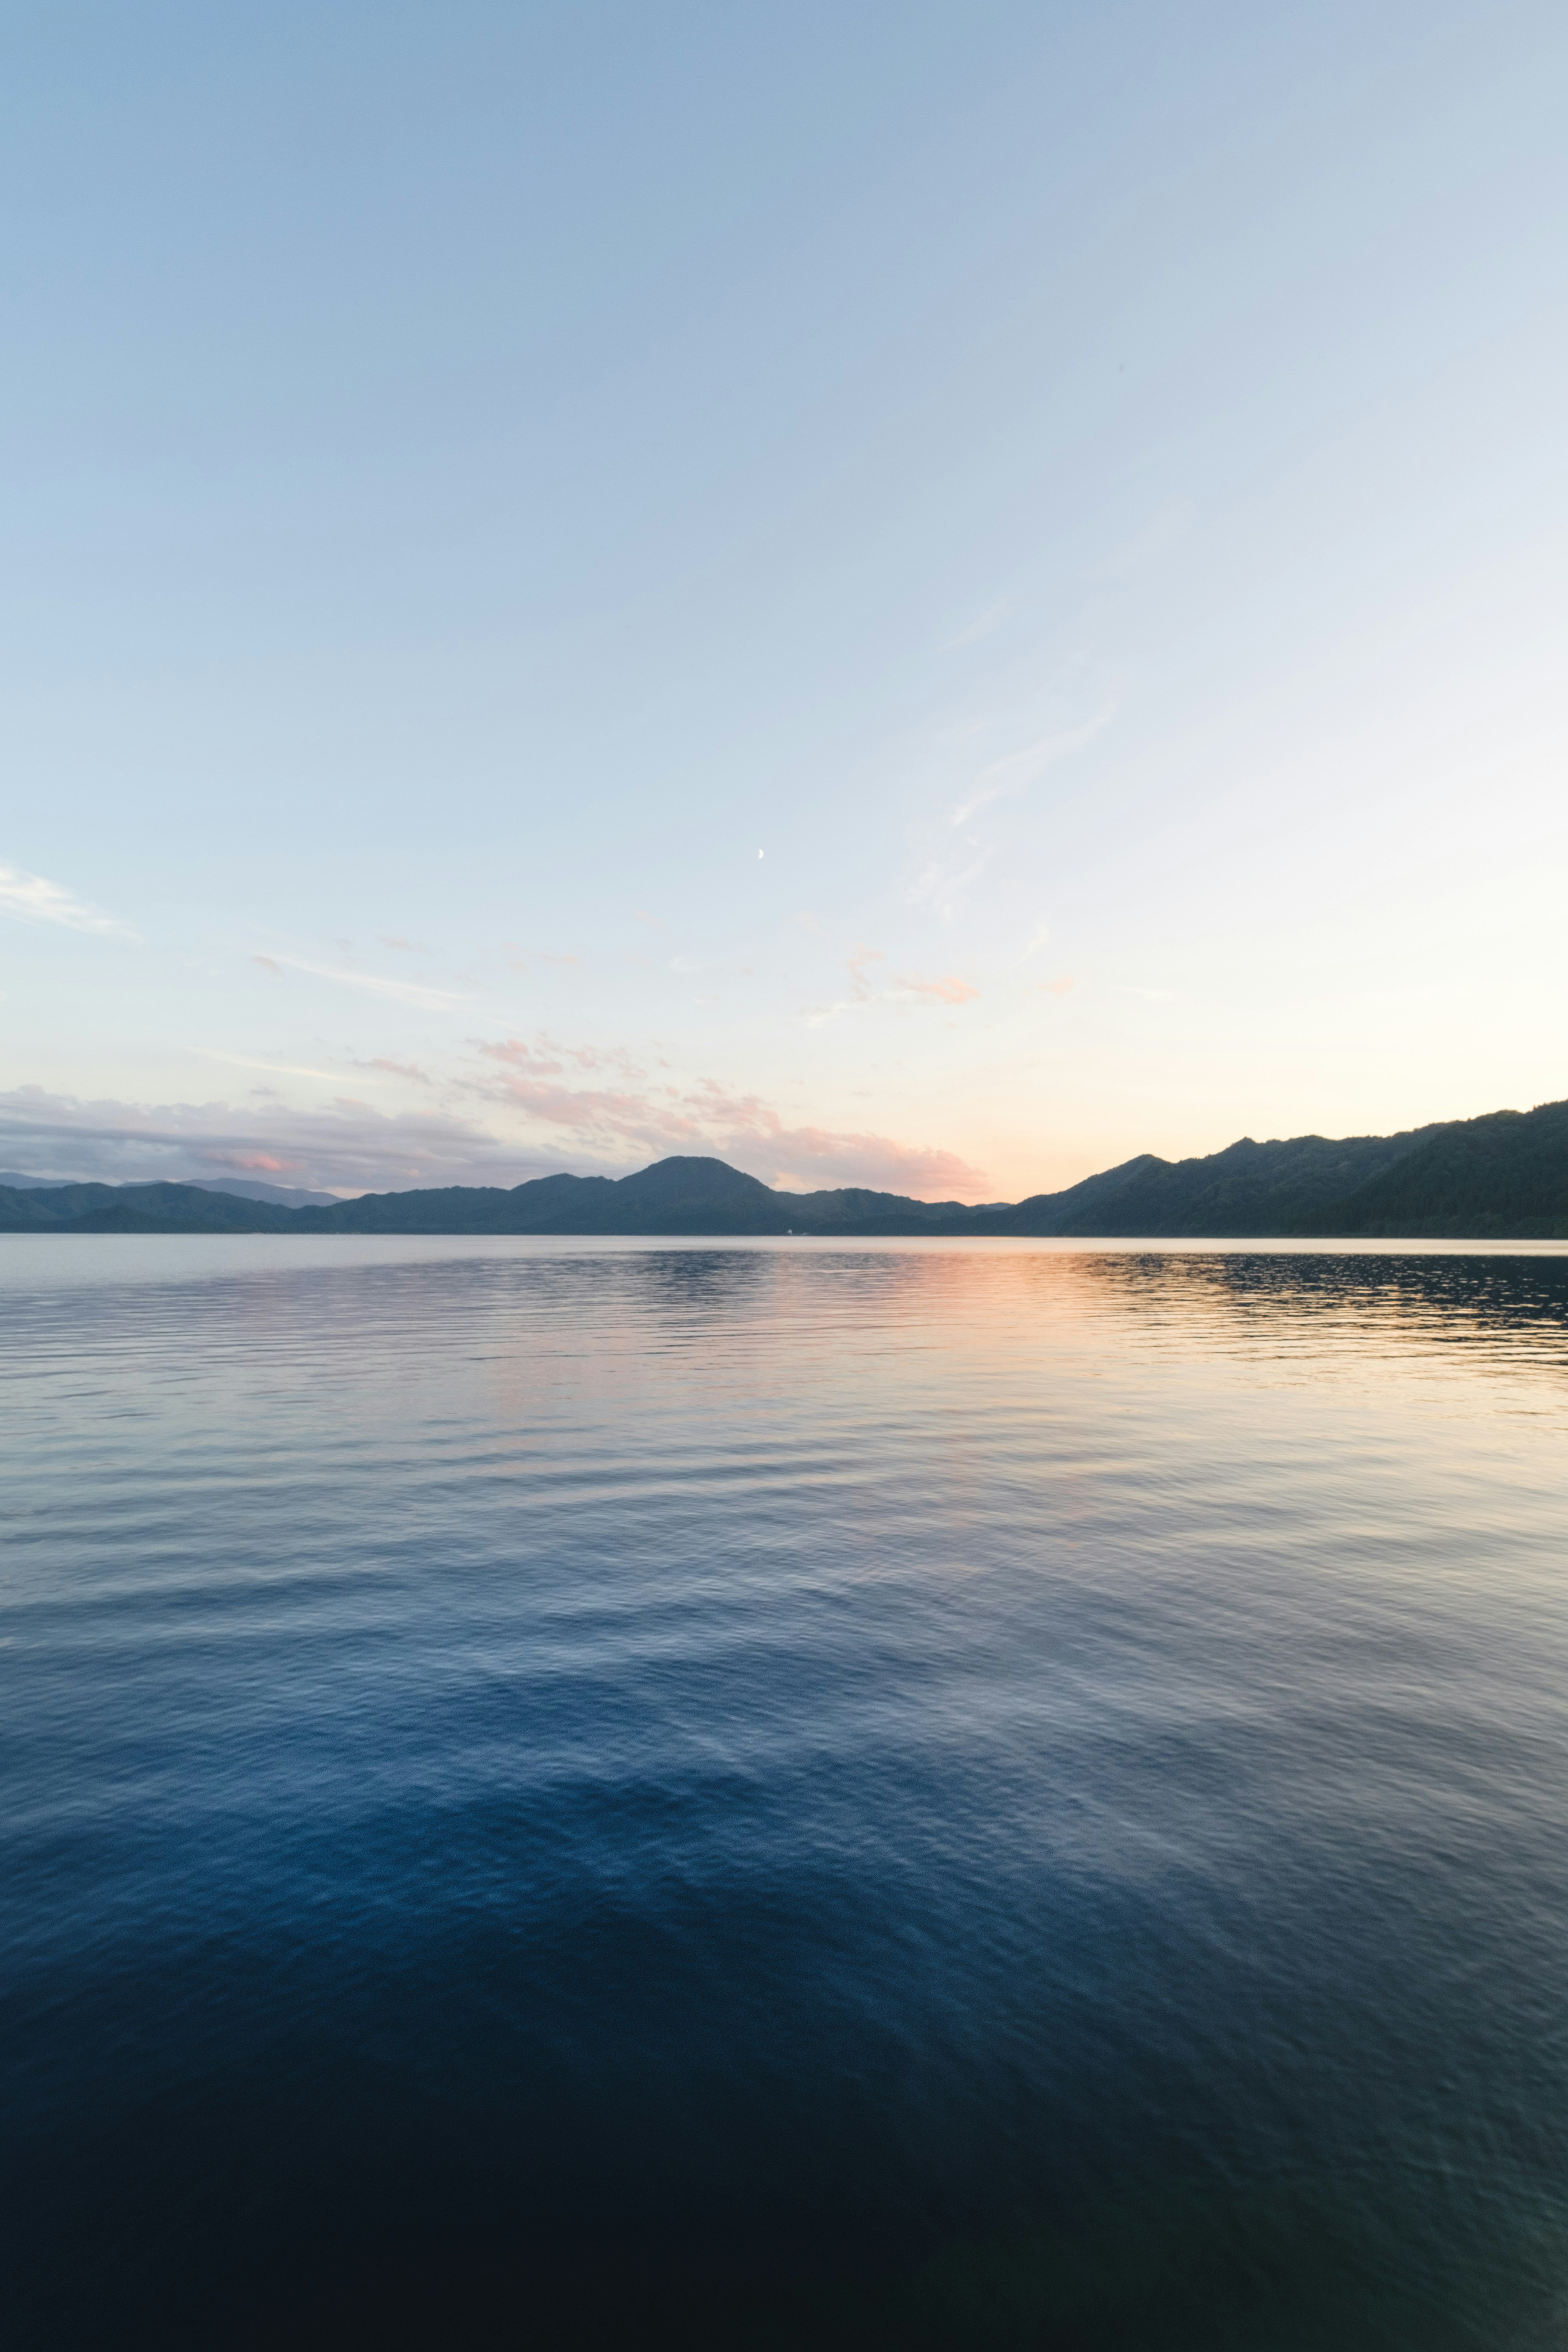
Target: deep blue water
783	1795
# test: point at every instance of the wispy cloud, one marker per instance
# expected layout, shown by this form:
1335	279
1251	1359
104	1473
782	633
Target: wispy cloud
944	882
546	1056
949	991
408	1070
1018	770
981	627
901	989
402	992
859	968
29	898
277	1069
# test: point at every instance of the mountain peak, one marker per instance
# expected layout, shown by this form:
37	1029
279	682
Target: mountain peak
689	1179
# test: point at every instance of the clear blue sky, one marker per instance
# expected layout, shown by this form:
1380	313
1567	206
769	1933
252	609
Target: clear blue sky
1081	491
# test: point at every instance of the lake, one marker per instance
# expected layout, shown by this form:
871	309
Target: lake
783	1794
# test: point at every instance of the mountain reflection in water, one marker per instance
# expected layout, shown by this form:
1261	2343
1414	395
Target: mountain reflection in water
784	1795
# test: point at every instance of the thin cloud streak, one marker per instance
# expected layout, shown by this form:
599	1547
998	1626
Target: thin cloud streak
1018	770
945	882
276	1069
981	627
403	991
29	898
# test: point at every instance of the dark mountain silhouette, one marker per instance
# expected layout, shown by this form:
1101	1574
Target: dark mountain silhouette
1247	1189
136	1208
1503	1176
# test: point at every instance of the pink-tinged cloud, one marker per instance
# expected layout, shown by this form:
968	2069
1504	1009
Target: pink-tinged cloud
859	968
348	1146
950	991
903	990
546	1056
809	1158
269	963
705	1118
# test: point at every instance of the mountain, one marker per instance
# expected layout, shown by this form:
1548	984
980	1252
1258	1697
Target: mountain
1247	1189
1503	1176
134	1208
244	1188
249	1188
1500	1178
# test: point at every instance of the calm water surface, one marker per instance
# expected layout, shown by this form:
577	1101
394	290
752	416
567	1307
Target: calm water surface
783	1795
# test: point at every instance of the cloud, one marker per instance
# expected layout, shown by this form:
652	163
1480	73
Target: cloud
806	1158
1018	770
348	1147
704	1117
30	899
981	627
943	884
859	966
274	1069
403	991
409	1070
269	963
904	989
1033	944
950	991
546	1056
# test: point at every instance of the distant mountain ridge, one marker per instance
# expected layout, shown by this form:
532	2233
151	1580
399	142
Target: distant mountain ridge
1502	1177
244	1188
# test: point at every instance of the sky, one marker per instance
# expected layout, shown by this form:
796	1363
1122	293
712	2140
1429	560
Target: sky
918	595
